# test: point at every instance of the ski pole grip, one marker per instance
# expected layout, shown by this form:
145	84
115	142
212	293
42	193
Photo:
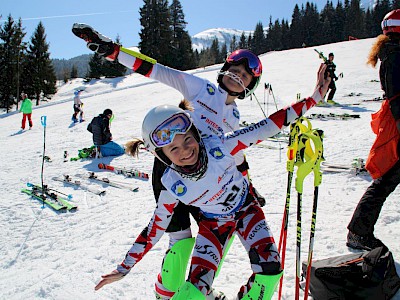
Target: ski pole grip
43	120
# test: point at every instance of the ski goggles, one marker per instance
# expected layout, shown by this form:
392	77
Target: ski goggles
165	132
390	22
253	64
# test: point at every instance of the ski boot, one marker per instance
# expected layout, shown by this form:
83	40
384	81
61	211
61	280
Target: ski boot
97	42
263	287
189	292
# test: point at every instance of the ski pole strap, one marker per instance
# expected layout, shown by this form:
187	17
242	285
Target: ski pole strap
295	130
309	157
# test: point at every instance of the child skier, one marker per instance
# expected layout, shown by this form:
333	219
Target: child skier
214	109
201	172
77	107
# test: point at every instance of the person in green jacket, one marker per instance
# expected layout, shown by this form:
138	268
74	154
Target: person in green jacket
26	109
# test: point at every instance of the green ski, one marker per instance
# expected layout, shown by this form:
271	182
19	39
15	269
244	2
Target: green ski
54	195
47	200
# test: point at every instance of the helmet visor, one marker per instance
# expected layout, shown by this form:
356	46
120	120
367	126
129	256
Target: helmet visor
165	132
253	64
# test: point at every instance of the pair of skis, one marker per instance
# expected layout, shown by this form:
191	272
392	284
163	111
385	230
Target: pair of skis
332	116
57	200
104	180
126	172
305	151
357	167
70	180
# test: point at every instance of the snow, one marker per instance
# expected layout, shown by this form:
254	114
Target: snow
45	255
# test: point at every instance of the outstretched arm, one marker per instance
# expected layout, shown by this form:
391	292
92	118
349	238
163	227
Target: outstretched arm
245	137
185	83
145	241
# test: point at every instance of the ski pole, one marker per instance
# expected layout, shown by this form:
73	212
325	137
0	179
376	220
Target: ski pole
305	161
43	120
295	131
259	104
292	149
304	168
309	160
317	140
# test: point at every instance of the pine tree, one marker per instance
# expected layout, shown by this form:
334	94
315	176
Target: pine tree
311	25
11	54
296	38
328	24
233	45
242	42
395	4
95	67
354	25
215	52
259	39
40	75
182	52
338	21
223	53
74	72
156	33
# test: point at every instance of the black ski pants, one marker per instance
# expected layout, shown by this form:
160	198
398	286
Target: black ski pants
368	209
332	87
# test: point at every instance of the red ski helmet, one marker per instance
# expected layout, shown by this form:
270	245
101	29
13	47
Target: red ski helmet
252	65
391	22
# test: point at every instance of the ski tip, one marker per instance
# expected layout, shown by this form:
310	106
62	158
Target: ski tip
101	166
135	190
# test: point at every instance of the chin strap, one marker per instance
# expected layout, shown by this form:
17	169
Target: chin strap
236	79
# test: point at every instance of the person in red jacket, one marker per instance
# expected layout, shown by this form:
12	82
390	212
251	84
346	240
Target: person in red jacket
383	161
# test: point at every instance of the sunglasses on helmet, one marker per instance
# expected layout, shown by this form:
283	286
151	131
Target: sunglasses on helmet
253	64
165	132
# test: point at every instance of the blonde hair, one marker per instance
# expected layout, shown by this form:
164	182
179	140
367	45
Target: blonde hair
132	147
381	40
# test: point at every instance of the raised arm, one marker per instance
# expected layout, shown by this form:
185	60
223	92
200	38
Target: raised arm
189	85
253	134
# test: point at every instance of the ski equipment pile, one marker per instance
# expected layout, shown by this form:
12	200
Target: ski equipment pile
127	172
53	198
78	183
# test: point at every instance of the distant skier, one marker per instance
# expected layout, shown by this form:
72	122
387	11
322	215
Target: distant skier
26	109
77	107
330	69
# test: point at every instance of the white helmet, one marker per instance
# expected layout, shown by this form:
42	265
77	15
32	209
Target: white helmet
159	128
162	123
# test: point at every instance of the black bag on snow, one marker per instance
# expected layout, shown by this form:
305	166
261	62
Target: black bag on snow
358	276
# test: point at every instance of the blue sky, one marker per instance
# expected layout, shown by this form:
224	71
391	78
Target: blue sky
119	17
